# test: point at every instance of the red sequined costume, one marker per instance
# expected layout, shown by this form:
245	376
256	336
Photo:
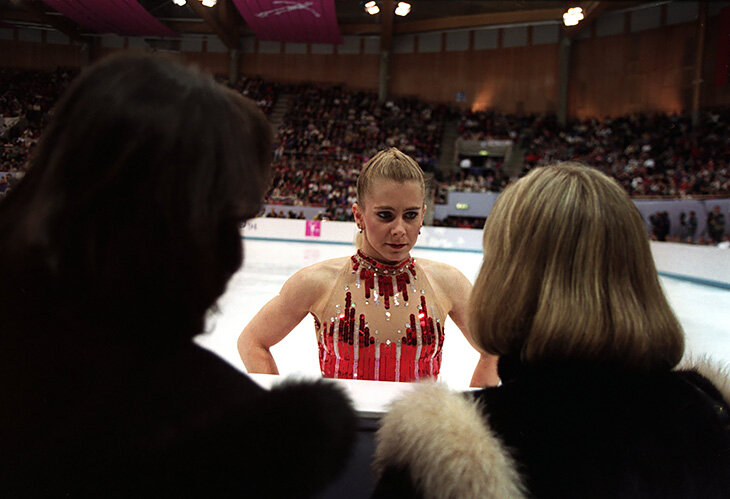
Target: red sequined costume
381	322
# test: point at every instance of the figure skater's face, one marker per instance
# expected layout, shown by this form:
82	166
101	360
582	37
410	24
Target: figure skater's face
390	217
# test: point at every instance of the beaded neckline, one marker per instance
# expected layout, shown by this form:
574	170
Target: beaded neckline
362	260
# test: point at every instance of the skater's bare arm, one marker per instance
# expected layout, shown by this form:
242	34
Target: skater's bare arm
458	289
276	320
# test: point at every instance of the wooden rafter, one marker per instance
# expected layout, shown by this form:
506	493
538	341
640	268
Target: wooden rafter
229	15
458	22
38	14
478	20
360	29
210	16
190	27
386	25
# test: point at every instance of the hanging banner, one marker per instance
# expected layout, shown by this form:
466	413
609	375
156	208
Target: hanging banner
112	16
312	21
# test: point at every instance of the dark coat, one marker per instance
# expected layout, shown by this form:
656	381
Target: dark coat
173	422
562	431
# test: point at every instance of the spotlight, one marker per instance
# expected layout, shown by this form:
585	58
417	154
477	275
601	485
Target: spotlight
372	8
573	16
402	9
209	3
179	2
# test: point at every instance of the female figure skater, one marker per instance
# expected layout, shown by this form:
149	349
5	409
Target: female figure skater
378	314
590	403
122	234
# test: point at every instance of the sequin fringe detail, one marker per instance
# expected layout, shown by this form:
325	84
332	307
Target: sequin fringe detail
347	353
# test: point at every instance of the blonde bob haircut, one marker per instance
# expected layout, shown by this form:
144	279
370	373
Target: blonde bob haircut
568	275
389	164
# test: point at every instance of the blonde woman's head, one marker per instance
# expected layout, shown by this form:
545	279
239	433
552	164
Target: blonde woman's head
568	275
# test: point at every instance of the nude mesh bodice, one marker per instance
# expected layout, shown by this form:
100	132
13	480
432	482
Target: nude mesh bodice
381	322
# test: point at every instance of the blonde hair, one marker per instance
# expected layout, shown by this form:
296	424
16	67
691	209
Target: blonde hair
568	275
389	164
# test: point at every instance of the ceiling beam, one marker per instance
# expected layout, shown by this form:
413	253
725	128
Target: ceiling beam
386	25
229	15
210	17
360	29
38	14
190	27
458	22
478	20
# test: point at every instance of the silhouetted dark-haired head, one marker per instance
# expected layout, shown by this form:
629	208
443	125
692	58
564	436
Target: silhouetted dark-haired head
128	219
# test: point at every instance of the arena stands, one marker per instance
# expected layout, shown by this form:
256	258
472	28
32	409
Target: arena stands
25	100
328	131
327	134
265	93
650	155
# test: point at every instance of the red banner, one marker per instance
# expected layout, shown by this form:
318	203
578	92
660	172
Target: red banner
123	17
311	21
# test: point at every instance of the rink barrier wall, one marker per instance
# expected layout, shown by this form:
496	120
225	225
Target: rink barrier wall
479	204
706	265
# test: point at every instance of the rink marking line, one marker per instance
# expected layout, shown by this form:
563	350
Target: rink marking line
697	280
679	277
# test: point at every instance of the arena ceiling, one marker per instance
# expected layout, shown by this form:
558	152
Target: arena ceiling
225	21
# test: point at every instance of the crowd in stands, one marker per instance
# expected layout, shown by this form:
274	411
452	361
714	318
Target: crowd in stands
328	132
316	182
649	154
461	222
490	124
26	97
328	121
657	155
489	179
264	93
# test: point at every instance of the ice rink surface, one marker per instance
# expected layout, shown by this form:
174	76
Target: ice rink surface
703	311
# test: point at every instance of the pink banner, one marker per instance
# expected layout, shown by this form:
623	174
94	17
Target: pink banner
311	21
123	17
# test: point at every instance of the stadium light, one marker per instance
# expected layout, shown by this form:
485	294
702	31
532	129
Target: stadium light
573	16
179	2
372	8
402	9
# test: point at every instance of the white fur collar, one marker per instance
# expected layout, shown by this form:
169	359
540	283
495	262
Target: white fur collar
718	374
441	438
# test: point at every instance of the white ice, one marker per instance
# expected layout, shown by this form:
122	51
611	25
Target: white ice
703	311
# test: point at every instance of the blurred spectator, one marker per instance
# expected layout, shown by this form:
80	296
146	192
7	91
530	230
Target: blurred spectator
716	224
683	227
691	227
660	225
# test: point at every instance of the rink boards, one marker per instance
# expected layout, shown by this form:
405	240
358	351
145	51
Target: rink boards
706	265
